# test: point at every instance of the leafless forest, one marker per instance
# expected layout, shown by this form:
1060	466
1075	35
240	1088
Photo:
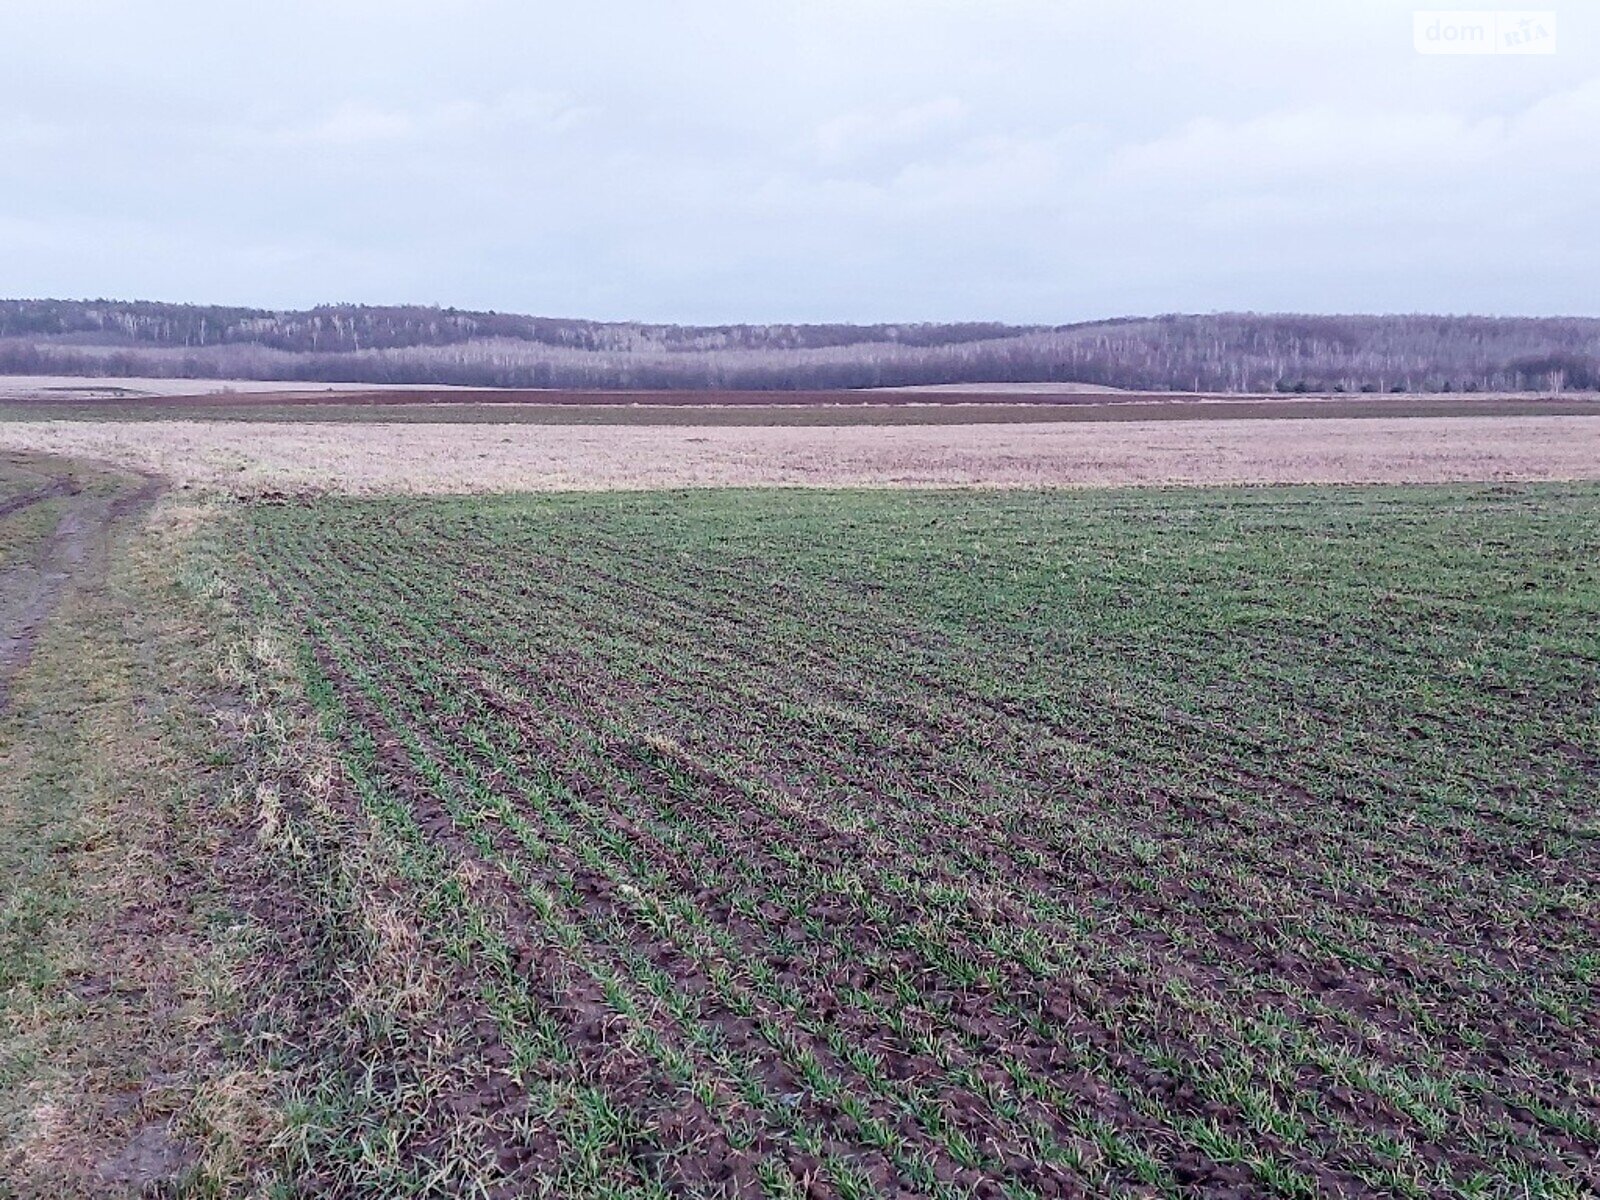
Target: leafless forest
1222	352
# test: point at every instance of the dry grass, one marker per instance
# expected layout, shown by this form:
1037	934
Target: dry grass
439	458
118	975
194	927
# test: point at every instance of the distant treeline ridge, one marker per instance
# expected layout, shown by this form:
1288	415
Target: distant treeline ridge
1227	352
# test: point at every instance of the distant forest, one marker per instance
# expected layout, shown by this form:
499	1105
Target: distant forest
1229	352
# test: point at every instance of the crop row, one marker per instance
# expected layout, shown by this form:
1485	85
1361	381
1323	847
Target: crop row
831	851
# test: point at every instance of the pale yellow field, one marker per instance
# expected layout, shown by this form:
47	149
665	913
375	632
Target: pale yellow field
445	458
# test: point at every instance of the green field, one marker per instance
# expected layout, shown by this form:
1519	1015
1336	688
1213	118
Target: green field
978	844
799	843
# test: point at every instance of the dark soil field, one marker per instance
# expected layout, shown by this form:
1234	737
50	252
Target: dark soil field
893	407
1018	844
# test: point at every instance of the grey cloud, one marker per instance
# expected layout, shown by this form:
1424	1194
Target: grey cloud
707	160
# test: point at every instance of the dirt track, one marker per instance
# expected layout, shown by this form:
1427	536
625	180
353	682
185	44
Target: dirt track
441	458
32	584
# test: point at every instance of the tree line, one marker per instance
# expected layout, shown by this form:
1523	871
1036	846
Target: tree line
1228	352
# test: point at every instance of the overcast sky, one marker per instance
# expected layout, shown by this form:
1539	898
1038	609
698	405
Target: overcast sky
756	160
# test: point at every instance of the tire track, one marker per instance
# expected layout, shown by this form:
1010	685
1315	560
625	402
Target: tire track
74	551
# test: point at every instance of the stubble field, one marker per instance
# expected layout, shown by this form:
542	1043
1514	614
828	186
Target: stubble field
946	844
252	457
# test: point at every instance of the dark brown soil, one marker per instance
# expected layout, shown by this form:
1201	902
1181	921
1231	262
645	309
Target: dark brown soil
782	407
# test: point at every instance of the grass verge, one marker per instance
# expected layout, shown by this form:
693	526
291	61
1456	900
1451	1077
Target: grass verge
136	888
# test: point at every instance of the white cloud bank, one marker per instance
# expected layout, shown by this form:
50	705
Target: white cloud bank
805	159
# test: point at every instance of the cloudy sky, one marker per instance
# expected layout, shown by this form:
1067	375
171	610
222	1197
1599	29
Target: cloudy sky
860	160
